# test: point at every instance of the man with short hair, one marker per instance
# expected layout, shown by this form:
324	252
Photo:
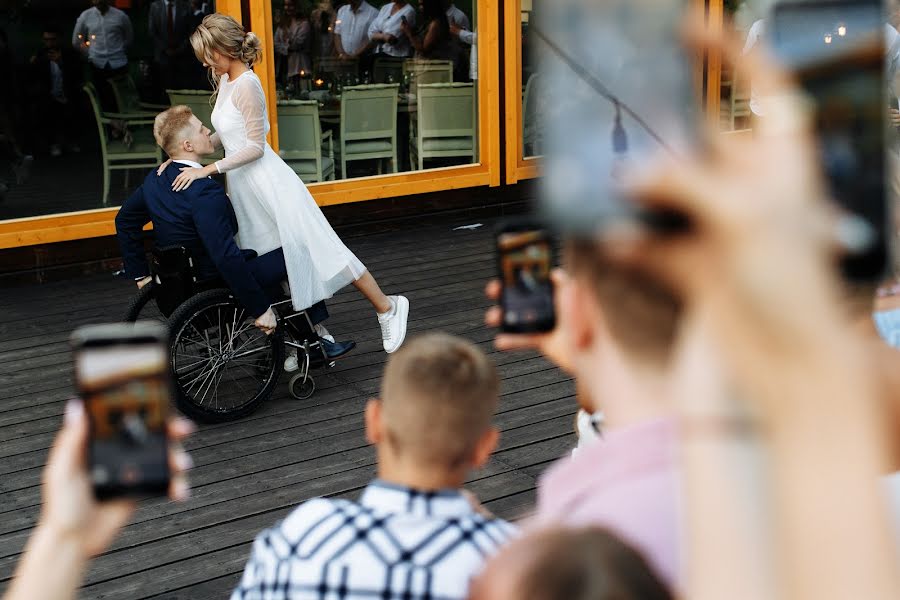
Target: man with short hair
413	534
351	29
615	331
102	33
202	220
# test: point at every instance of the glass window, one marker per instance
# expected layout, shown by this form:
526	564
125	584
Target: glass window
532	137
83	80
375	87
736	103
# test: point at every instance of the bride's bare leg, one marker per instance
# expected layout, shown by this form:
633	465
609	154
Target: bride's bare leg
369	288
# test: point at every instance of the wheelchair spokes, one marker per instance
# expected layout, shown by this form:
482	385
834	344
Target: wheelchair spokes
220	359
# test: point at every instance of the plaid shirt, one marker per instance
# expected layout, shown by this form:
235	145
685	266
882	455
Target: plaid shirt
395	544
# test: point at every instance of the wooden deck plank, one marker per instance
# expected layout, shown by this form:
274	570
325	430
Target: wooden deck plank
250	473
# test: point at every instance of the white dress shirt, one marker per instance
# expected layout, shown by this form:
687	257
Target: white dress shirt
103	37
353	27
387	23
454	15
395	543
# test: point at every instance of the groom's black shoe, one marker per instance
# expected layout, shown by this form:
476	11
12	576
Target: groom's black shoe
336	349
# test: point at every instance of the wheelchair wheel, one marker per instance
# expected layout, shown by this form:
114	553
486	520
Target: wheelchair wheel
143	307
224	367
300	389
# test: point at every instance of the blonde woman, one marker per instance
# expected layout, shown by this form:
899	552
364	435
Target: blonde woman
273	207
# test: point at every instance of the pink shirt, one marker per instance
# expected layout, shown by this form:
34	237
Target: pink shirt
628	482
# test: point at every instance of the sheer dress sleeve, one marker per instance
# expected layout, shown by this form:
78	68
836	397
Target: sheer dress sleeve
249	99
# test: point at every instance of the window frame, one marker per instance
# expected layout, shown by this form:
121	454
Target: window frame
100	222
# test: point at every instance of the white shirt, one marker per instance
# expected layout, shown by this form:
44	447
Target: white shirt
395	543
387	23
454	15
108	35
190	163
353	27
471	38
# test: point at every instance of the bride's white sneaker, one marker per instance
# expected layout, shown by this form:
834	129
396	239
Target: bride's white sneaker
393	323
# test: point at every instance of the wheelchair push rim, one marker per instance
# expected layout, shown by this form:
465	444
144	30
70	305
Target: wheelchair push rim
223	366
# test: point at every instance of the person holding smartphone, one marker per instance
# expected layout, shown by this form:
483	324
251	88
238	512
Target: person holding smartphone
74	526
387	29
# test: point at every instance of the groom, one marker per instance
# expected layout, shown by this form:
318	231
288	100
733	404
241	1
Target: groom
202	220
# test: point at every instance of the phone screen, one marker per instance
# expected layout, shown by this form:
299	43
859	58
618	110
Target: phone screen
525	261
838	52
125	388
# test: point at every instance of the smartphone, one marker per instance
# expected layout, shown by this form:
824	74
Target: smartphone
615	88
837	50
122	376
525	260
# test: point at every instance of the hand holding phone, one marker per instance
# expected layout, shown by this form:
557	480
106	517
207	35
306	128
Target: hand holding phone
525	260
122	372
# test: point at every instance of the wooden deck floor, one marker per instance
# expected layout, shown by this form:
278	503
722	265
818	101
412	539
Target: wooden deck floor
250	473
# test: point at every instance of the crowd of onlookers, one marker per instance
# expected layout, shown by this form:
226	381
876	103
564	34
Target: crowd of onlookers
750	414
354	30
43	111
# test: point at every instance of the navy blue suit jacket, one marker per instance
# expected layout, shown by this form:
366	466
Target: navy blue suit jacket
199	218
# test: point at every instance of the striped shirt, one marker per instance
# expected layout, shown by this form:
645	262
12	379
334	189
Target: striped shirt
395	543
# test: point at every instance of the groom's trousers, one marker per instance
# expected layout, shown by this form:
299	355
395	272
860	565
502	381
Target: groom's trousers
269	271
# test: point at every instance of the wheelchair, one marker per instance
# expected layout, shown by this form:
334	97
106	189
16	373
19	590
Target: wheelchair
223	367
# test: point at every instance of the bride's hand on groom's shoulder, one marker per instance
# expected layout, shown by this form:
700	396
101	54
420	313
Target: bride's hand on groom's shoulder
163	167
187	176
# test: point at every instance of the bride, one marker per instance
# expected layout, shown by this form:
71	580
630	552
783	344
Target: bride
273	207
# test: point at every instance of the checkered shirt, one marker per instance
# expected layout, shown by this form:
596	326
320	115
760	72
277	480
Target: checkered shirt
396	543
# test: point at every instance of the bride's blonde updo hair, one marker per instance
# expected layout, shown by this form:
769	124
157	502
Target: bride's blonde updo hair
222	34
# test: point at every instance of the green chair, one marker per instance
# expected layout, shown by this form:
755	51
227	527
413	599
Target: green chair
387	67
369	124
300	140
444	124
129	101
200	103
427	71
141	153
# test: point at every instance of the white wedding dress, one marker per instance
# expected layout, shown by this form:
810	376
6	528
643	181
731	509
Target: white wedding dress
273	207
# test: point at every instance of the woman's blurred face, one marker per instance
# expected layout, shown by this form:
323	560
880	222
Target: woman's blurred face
289	8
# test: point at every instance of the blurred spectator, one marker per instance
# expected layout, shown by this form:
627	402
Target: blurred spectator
351	29
103	33
454	15
10	150
292	44
430	427
170	26
432	41
387	29
74	526
198	75
55	94
464	61
615	332
568	564
470	38
322	20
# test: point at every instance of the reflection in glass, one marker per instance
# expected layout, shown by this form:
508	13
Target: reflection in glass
532	98
391	84
82	83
